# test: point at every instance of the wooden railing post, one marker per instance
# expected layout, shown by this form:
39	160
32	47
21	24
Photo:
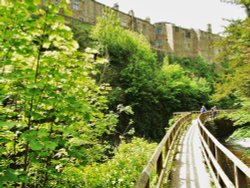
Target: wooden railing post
208	141
166	149
240	178
219	159
143	181
171	136
147	185
159	165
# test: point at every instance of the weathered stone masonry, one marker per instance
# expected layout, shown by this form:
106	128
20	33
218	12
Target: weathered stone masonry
163	36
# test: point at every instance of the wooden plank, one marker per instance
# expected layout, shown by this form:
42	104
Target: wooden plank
217	184
213	161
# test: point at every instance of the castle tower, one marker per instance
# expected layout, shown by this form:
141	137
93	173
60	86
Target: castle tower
209	28
116	6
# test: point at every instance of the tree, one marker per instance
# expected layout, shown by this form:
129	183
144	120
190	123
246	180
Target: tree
131	74
52	113
235	60
233	86
153	90
81	34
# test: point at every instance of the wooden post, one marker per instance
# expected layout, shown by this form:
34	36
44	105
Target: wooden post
166	148
174	129
171	136
240	178
147	185
143	181
202	133
207	140
211	145
220	161
159	165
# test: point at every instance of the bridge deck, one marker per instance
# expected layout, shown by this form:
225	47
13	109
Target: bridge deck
190	170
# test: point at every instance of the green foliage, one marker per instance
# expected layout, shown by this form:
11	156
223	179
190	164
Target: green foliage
241	117
51	108
201	78
197	67
234	60
230	101
131	73
186	93
81	33
123	169
233	86
243	132
153	90
174	119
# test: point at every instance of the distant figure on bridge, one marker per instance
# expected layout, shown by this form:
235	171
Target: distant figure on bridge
213	112
203	109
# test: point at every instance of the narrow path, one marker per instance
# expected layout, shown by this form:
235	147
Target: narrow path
189	169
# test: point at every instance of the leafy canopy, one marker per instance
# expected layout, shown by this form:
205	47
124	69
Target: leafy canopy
153	90
52	112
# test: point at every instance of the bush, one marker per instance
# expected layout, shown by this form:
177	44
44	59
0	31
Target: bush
123	169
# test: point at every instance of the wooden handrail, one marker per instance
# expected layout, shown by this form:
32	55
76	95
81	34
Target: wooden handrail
216	155
159	161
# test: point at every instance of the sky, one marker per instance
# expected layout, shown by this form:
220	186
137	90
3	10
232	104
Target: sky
194	14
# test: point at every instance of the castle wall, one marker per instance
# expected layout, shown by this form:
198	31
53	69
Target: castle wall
170	37
164	37
183	42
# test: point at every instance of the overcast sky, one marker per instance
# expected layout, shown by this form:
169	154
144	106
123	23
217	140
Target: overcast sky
185	13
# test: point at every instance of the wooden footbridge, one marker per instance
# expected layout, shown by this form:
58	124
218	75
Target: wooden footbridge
191	157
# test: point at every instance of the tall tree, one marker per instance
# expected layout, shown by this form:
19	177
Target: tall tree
235	68
235	60
152	90
51	112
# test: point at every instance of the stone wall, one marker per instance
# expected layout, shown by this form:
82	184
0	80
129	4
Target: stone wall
164	37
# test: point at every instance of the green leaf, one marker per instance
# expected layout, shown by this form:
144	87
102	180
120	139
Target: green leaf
51	145
35	145
7	124
42	133
11	175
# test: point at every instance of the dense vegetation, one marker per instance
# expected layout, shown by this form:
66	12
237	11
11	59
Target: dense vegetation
153	89
70	113
52	110
233	85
